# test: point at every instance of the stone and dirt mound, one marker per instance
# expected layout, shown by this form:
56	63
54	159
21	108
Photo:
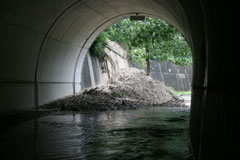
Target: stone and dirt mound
132	89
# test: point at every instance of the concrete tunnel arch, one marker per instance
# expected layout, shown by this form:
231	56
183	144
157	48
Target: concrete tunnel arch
78	71
70	18
42	44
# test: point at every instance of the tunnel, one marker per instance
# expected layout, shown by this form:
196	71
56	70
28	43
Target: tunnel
43	44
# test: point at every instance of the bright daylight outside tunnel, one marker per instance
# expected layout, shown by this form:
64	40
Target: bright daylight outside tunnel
118	79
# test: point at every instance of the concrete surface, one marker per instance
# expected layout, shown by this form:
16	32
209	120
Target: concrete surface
177	77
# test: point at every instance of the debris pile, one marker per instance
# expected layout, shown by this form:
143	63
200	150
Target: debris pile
132	89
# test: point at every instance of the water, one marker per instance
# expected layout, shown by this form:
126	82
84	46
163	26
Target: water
146	134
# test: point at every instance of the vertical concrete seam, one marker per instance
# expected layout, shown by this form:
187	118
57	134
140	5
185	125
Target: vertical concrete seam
160	68
179	88
90	66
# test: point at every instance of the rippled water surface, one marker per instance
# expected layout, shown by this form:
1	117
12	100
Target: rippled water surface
146	134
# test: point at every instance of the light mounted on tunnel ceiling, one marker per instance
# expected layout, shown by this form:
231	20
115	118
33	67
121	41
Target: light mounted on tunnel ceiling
137	18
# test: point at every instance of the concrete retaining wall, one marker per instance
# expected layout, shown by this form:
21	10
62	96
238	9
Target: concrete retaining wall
92	74
178	77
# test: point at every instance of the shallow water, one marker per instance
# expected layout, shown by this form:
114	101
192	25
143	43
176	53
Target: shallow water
147	134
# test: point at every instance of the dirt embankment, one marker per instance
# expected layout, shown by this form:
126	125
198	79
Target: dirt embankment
132	89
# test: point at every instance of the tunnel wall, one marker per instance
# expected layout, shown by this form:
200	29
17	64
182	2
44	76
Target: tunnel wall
91	76
220	115
24	27
214	121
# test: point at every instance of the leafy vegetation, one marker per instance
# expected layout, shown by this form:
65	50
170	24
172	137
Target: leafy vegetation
98	46
178	93
150	39
118	94
183	92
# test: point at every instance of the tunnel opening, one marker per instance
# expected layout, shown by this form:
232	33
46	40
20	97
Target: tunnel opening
131	47
166	43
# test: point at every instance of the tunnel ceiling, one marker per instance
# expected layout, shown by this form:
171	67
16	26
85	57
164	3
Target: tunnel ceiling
43	42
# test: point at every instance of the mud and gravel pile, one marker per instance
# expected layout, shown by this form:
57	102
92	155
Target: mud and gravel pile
132	89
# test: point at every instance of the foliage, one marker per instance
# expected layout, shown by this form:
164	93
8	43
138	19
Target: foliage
184	92
98	46
178	93
118	94
161	39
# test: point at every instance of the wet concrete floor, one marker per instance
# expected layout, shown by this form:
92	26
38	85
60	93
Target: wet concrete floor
147	134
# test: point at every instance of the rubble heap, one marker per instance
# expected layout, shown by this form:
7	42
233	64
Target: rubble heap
132	89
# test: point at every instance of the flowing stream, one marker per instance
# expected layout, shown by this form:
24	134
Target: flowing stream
147	134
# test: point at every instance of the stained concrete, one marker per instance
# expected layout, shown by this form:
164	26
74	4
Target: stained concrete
96	70
86	76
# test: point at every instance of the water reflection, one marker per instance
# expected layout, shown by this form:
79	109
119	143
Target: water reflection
156	133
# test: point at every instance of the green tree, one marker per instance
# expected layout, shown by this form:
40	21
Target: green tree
150	39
